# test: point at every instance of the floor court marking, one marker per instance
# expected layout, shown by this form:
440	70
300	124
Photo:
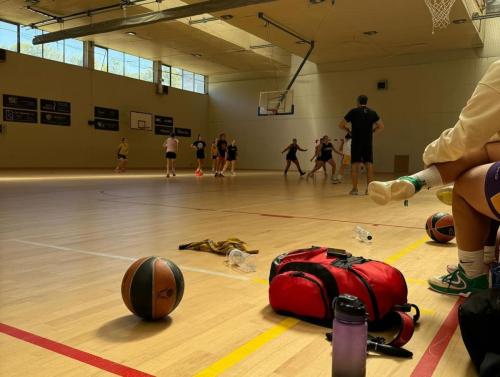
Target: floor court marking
406	250
436	349
261	214
72	353
120	257
247	349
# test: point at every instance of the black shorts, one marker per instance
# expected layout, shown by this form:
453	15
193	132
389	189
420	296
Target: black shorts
361	153
231	158
122	157
290	157
200	155
171	155
492	188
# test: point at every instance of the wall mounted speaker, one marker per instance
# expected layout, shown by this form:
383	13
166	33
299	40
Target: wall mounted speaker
382	85
3	55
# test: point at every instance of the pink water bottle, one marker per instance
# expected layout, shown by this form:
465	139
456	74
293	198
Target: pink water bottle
350	333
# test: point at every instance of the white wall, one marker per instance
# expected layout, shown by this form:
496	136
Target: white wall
81	146
426	93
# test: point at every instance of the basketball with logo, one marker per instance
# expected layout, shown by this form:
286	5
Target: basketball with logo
152	287
440	227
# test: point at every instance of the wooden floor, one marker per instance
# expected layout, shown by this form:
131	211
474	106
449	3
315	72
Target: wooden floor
66	239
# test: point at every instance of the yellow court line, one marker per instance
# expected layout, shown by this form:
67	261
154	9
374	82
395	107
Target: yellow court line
406	250
247	349
417	281
261	281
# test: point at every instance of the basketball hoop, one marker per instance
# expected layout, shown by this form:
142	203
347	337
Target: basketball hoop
440	11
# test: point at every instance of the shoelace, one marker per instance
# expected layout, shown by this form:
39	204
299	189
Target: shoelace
450	277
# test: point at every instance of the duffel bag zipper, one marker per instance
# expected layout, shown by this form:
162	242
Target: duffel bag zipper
373	298
325	303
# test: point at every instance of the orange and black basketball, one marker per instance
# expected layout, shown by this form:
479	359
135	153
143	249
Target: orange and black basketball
440	227
152	287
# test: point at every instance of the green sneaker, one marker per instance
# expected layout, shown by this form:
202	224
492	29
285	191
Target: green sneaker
458	283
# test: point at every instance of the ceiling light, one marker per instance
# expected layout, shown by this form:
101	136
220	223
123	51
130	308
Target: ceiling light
131	33
459	21
261	46
316	1
370	32
300	42
227	17
203	20
196	55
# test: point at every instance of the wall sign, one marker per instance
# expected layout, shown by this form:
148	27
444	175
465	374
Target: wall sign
103	112
55	119
55	106
106	125
20	116
163	125
106	119
19	102
183	132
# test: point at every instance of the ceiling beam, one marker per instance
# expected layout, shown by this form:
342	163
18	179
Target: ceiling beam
171	14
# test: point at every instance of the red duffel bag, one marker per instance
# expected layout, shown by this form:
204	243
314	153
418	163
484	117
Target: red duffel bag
303	283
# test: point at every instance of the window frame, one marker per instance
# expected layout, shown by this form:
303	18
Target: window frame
107	58
18	31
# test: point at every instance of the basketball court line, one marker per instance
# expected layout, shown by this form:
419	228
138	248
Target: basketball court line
406	250
436	349
120	257
72	353
262	214
247	349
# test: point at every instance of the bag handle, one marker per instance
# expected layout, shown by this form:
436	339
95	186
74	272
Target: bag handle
406	308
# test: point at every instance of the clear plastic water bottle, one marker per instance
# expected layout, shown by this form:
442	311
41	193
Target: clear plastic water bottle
349	337
242	260
362	234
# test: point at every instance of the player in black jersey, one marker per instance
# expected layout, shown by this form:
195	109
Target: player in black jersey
221	155
364	123
291	156
231	155
199	145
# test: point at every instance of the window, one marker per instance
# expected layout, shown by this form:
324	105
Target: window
199	84
27	47
132	66
176	78
101	58
116	61
188	80
165	74
73	52
53	51
8	36
146	69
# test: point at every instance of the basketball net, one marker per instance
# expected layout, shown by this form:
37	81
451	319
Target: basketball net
440	11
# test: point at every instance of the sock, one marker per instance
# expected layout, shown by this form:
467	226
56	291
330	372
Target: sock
489	254
339	177
471	262
429	177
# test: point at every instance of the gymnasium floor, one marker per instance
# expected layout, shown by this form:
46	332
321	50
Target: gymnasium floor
67	238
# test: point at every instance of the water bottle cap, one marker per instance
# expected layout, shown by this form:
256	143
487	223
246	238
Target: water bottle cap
349	305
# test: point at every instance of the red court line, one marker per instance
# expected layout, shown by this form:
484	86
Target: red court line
434	352
320	219
73	353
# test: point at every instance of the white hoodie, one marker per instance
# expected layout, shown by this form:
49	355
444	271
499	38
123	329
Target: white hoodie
478	123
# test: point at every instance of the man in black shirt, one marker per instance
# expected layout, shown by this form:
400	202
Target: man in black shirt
364	123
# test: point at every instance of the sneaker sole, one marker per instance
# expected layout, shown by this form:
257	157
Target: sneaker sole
379	193
402	190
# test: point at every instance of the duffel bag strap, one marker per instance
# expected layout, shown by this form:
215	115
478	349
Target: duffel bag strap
406	328
407	309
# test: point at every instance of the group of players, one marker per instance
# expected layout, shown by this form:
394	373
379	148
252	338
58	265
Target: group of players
224	155
323	155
